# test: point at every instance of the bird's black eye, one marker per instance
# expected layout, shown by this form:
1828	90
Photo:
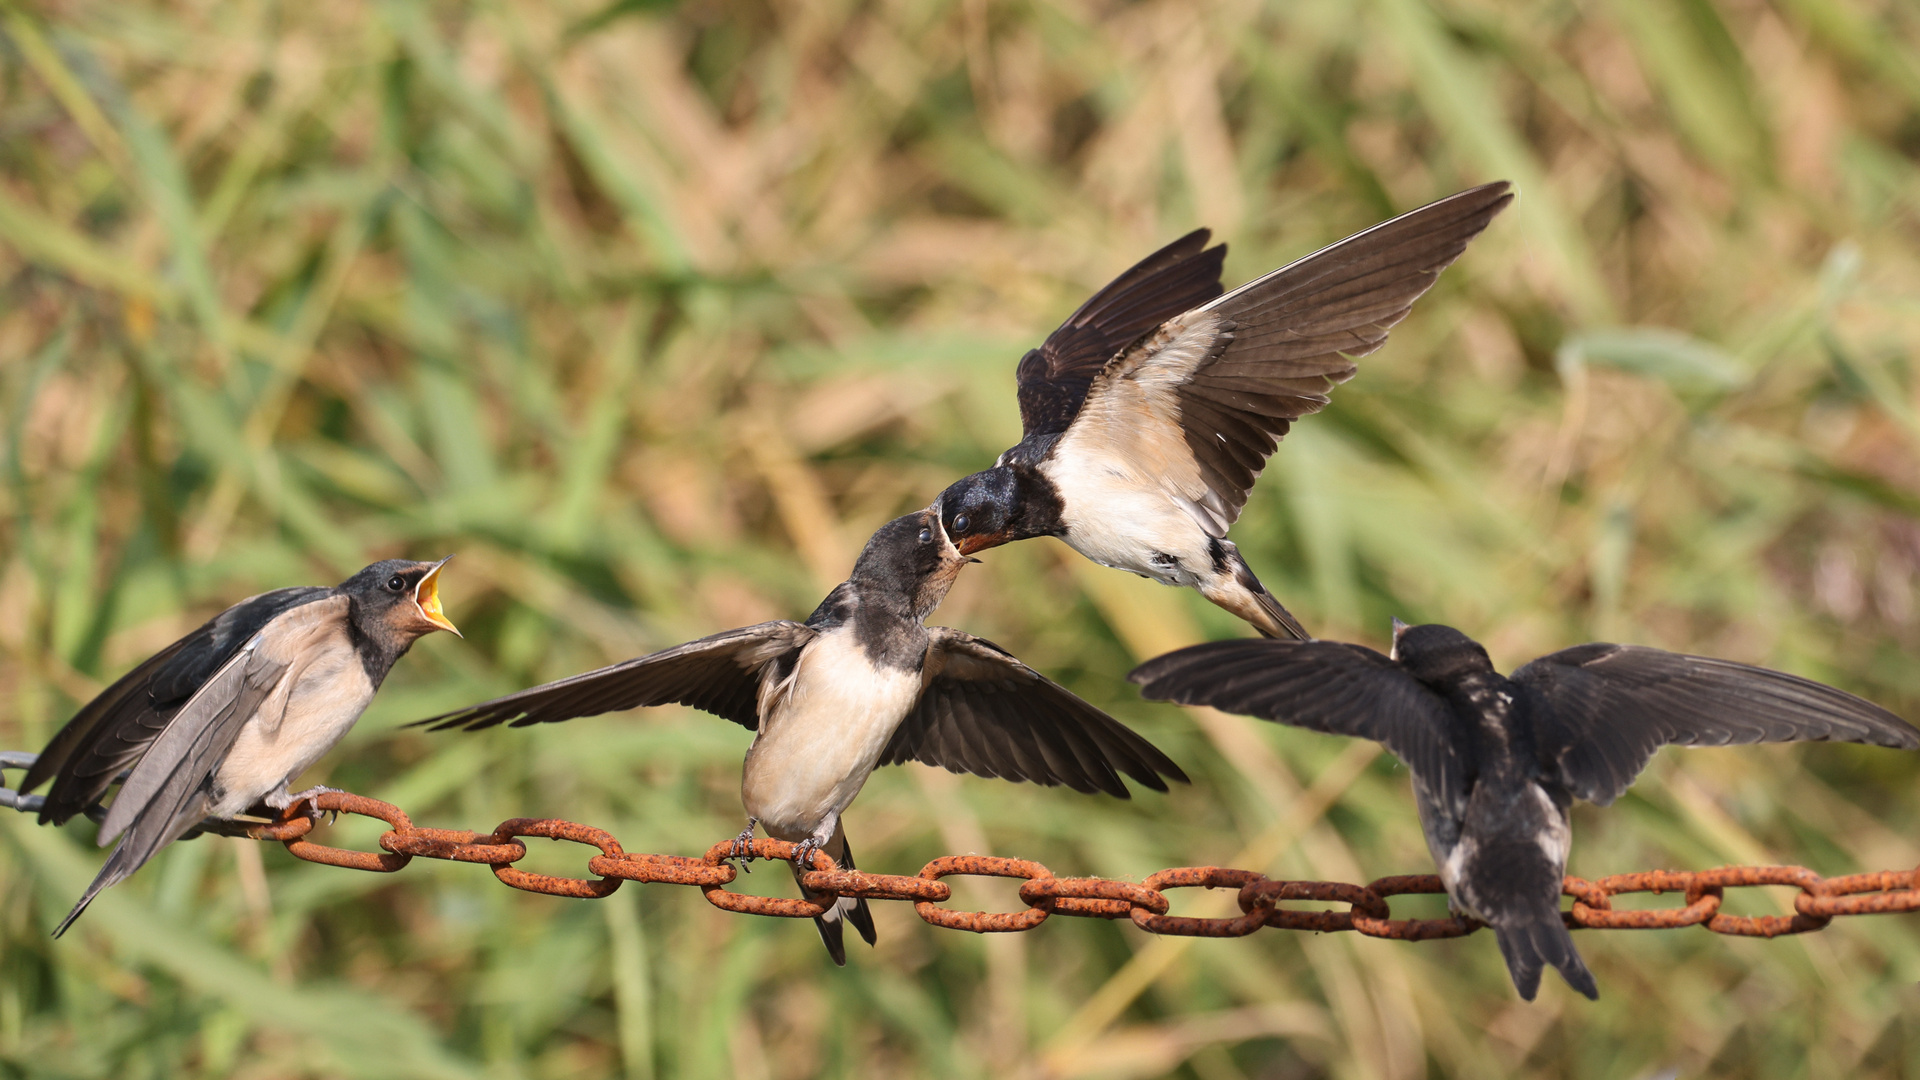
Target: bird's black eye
926	536
397	583
960	523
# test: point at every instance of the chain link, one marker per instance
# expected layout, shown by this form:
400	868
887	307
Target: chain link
1261	899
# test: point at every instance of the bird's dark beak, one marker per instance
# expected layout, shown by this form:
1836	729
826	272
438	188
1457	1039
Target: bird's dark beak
1398	629
426	596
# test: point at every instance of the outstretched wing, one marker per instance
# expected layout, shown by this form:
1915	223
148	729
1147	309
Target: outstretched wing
1321	686
1053	378
1602	710
720	674
984	712
1203	401
115	728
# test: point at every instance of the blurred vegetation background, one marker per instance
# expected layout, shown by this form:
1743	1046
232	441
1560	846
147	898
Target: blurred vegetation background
652	311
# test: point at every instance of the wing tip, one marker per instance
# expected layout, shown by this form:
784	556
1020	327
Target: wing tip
1157	677
1494	195
461	720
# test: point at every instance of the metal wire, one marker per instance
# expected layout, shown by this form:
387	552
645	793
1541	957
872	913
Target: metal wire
1260	898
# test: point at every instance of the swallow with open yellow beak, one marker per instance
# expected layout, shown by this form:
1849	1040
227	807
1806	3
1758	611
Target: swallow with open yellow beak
864	682
229	716
1149	413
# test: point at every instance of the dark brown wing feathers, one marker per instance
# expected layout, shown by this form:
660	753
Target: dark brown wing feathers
110	732
720	674
1292	335
988	714
1054	378
1603	710
103	738
1322	686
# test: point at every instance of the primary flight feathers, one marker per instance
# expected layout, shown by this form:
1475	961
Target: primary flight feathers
1149	413
1496	760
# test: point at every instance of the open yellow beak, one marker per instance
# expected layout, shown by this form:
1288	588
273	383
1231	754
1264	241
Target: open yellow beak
427	596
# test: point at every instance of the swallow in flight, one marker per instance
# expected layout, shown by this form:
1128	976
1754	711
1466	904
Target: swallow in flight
1150	411
227	717
1497	760
863	682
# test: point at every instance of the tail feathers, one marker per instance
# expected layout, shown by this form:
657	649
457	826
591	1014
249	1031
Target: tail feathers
854	907
114	872
830	931
849	909
149	831
1531	946
1279	622
1235	588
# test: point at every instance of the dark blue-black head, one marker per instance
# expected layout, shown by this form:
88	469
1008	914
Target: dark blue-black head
997	506
1437	654
398	600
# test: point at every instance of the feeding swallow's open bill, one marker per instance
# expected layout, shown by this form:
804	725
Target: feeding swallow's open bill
227	717
1497	760
862	683
1149	413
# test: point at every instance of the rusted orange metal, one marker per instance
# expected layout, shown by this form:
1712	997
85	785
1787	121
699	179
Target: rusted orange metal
1260	898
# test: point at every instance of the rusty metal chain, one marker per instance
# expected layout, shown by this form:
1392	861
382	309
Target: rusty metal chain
1260	898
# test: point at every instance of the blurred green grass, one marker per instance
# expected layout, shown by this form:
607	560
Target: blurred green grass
651	311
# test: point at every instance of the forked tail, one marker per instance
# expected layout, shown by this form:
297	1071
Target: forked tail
848	909
1234	587
1538	943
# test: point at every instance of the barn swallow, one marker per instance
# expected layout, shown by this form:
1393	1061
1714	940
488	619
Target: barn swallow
1497	761
1150	411
863	682
228	716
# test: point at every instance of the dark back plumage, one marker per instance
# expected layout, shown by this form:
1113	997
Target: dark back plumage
110	732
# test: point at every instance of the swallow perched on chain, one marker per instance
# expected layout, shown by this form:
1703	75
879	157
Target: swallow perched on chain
1150	411
1497	760
862	683
227	717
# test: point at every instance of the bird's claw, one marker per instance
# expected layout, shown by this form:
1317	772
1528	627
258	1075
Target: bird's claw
310	796
742	847
803	854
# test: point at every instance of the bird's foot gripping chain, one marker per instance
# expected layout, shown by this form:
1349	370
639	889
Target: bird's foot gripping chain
803	854
308	796
742	846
